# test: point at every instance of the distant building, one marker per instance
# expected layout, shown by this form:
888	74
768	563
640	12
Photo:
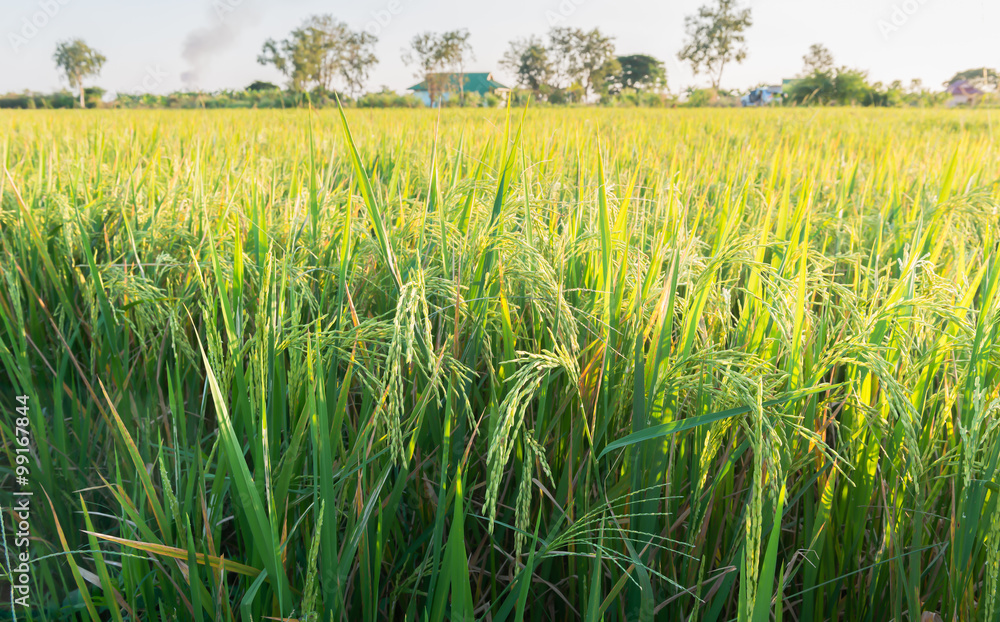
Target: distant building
963	93
449	85
763	96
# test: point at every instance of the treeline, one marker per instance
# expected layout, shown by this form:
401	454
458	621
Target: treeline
257	95
265	95
850	87
823	83
835	88
251	98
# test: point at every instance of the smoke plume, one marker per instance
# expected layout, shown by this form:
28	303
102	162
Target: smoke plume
229	18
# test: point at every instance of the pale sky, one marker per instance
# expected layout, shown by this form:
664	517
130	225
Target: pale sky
145	41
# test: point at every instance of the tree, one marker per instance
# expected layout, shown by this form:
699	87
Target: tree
562	50
456	52
851	87
77	60
984	79
715	38
582	56
426	53
93	95
603	77
321	51
307	55
528	59
595	59
818	58
815	88
639	72
840	86
260	85
358	56
918	95
433	54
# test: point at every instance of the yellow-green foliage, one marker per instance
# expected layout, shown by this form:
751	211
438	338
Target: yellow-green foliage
569	365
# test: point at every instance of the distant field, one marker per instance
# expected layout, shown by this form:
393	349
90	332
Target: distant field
672	365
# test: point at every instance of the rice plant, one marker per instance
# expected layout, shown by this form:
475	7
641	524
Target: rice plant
503	365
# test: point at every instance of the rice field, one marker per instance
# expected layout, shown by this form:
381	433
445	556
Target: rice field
546	365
